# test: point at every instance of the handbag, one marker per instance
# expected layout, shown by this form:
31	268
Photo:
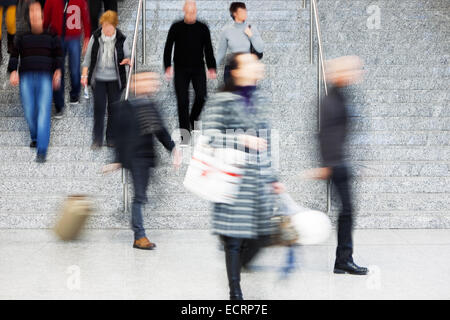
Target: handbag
213	174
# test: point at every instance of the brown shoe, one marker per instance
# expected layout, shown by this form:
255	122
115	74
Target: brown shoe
144	244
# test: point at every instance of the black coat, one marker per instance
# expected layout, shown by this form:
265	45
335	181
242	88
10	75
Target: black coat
333	128
135	123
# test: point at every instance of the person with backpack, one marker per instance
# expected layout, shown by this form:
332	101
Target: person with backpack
137	123
69	19
239	36
40	55
104	70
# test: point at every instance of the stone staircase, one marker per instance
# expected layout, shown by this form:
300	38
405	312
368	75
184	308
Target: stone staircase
400	120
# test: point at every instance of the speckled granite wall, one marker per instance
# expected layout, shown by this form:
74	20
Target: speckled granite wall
400	119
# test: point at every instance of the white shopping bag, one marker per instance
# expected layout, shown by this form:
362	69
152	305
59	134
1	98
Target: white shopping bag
213	173
313	227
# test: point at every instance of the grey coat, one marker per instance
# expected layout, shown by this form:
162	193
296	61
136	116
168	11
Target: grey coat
249	216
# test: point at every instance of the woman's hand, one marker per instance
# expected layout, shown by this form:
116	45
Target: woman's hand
84	81
253	142
177	158
318	173
57	79
278	187
126	61
111	167
248	32
14	78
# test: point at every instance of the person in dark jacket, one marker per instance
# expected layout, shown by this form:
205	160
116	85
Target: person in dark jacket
192	41
41	57
138	122
104	70
340	72
95	8
9	7
238	115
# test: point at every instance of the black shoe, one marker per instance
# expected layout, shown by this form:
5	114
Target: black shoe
74	100
33	144
350	268
40	158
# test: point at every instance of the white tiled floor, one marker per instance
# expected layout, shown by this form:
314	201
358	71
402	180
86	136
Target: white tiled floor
405	264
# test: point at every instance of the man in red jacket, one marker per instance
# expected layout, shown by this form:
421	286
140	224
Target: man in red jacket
74	16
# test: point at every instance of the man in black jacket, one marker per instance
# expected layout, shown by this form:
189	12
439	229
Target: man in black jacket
192	41
136	122
340	72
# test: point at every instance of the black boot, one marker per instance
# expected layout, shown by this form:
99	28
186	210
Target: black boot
10	42
351	268
233	262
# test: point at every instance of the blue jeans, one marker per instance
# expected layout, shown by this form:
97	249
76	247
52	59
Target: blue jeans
140	172
73	48
36	96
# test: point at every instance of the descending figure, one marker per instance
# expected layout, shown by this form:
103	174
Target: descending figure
192	42
136	123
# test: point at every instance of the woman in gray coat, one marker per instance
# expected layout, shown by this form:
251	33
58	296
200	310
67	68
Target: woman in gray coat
238	115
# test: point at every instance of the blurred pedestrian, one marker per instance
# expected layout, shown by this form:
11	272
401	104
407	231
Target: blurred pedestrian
9	7
40	56
104	69
239	36
334	119
245	225
192	42
137	122
69	19
95	8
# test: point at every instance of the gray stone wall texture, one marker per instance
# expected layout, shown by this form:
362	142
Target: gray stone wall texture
399	140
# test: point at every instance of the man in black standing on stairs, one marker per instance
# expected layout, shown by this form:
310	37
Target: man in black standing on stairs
192	41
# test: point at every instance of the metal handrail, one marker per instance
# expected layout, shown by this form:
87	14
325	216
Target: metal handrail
321	76
140	11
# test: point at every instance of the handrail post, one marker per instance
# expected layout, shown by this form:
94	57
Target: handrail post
311	33
319	41
144	31
127	94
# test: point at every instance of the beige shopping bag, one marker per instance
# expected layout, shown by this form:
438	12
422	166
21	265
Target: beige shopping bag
74	213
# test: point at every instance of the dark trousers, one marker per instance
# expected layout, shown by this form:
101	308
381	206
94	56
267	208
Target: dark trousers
72	48
105	94
95	9
238	252
182	79
140	172
340	178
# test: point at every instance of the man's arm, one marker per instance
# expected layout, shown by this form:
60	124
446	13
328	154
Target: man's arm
209	52
256	40
168	47
14	56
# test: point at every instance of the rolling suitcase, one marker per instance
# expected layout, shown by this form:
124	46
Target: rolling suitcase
74	213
